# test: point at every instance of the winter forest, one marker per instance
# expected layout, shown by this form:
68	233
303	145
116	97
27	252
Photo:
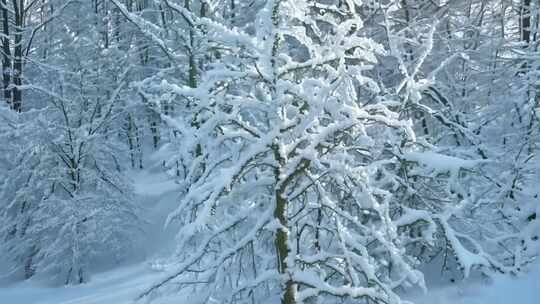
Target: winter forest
269	151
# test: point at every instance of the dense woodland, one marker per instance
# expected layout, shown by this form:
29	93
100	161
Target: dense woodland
325	151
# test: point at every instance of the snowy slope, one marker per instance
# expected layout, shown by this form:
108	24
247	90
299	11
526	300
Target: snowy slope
501	290
157	194
122	285
115	287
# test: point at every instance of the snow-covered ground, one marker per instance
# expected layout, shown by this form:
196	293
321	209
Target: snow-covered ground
158	195
121	286
501	290
114	287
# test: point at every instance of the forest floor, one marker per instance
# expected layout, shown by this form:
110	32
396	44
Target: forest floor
122	284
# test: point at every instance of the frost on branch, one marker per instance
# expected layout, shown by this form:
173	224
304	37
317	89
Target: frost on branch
64	201
294	199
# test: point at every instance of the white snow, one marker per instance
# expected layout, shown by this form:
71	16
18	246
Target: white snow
123	285
502	290
114	287
440	163
147	184
158	195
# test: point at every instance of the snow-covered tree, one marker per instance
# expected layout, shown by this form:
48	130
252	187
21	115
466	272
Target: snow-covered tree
476	188
323	149
65	199
294	200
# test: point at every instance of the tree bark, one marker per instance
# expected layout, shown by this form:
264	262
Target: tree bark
6	53
18	8
281	239
192	70
525	21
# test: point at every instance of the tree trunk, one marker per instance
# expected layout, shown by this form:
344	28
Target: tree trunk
192	70
281	240
18	8
525	21
6	53
282	247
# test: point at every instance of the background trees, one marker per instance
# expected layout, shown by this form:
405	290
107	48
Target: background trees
65	199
